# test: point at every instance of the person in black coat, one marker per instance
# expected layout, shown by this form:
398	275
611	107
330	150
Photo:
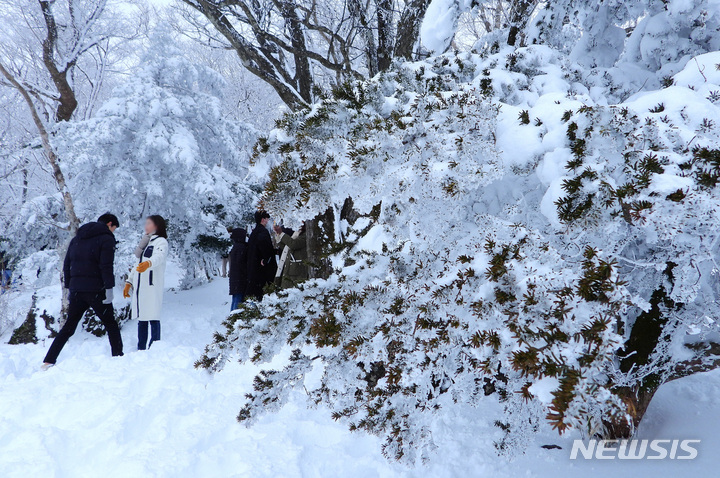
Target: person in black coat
5	272
89	276
261	263
238	267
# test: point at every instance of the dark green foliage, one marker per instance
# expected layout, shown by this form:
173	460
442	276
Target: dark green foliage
587	190
524	117
27	332
534	357
594	285
92	323
213	209
243	317
573	208
524	321
649	164
707	125
576	204
326	331
212	243
347	91
677	196
318	118
562	397
261	147
577	146
498	263
486	86
708	161
659	108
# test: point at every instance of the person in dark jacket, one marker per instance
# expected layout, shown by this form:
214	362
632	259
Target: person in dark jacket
5	272
261	263
238	267
89	276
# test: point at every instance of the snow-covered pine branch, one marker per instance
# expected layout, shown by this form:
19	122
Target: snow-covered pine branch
493	254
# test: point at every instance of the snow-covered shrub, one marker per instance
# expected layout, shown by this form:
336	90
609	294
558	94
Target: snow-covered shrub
26	333
671	32
31	294
563	264
659	36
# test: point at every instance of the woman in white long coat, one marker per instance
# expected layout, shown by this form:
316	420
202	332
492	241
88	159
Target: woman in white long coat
146	282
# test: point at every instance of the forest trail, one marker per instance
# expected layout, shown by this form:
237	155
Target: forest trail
151	414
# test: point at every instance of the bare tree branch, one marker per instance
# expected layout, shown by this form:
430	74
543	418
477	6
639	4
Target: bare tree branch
297	45
49	152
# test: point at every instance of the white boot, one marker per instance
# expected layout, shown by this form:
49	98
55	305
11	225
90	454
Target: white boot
46	366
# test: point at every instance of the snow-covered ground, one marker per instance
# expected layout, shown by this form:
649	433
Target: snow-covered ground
152	414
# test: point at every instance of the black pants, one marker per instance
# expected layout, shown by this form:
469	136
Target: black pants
80	302
255	291
143	333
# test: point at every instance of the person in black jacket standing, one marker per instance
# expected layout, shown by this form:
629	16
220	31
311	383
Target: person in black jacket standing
88	274
261	263
238	267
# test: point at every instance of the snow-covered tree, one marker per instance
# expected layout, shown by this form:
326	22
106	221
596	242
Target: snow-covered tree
244	98
568	275
54	55
160	145
659	36
70	31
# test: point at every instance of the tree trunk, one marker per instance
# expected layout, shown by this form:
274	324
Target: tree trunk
358	11
25	182
644	338
320	233
68	103
637	401
520	13
252	59
303	74
322	237
73	221
348	212
409	27
384	25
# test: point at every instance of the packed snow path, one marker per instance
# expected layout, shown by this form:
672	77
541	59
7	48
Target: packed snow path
151	415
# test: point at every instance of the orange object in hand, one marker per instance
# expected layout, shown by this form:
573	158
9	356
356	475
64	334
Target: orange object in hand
126	290
143	266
